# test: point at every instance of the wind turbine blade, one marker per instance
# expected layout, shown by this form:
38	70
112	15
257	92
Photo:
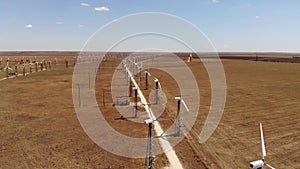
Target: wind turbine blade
159	85
186	107
270	166
263	149
161	119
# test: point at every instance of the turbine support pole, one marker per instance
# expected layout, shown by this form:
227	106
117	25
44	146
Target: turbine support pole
42	66
146	80
150	146
24	71
7	75
178	119
16	70
135	101
156	91
130	87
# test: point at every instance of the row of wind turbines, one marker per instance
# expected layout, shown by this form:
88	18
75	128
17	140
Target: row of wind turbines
133	67
136	66
42	65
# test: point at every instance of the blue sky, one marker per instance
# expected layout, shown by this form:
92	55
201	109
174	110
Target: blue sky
231	25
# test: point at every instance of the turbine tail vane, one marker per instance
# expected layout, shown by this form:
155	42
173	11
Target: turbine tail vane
270	166
186	107
159	85
263	148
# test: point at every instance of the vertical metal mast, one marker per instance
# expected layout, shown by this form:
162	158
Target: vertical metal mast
156	91
178	119
130	88
150	146
146	80
16	70
135	100
24	71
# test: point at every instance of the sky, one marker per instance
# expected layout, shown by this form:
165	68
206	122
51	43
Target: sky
230	25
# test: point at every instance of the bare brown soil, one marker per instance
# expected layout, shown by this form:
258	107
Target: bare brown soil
39	127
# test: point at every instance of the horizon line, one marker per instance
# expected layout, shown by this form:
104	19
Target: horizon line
219	52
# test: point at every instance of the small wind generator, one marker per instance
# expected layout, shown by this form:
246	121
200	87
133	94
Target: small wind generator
147	75
260	163
178	118
190	58
7	68
24	70
157	85
150	143
135	101
150	157
16	69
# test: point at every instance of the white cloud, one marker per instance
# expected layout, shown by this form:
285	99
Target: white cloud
59	23
80	26
215	1
102	8
28	26
84	4
257	17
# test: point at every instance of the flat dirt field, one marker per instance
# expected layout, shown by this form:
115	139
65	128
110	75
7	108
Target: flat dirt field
39	126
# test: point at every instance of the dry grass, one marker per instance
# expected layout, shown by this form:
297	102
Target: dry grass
39	127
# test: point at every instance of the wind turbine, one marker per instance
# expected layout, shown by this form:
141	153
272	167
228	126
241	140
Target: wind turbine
260	163
0	63
190	58
140	69
24	69
30	65
42	65
150	143
36	66
16	69
178	118
30	68
157	85
147	75
135	101
130	86
150	156
7	68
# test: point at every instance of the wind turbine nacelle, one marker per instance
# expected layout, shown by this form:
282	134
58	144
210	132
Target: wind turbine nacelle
148	121
257	164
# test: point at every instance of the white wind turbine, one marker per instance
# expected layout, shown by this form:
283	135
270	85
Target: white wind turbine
260	163
7	68
178	118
